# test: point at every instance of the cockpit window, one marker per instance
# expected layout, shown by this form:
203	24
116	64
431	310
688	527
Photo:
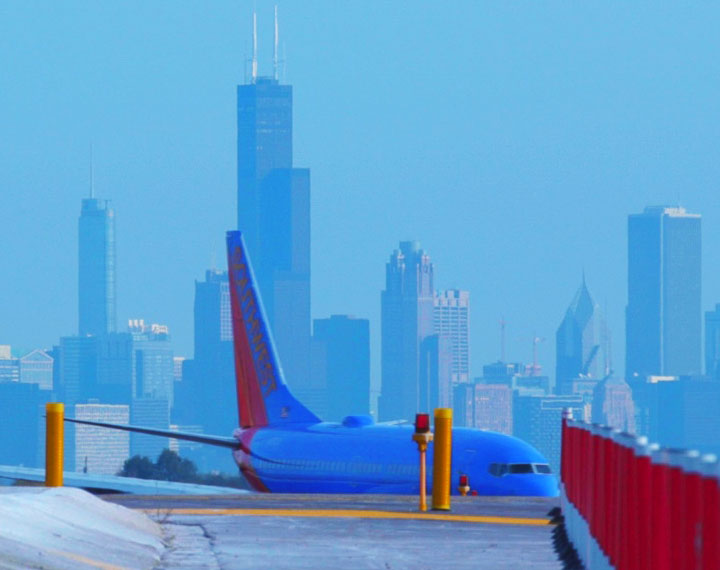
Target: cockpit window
500	469
497	469
520	468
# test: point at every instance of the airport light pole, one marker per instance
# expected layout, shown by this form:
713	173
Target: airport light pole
422	436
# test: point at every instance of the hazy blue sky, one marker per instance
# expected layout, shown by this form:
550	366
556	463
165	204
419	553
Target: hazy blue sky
511	138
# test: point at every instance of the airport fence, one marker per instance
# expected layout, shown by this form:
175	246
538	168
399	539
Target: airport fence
629	504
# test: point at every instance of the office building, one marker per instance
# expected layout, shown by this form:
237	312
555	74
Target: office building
100	450
451	319
274	216
36	367
22	407
493	408
345	362
487	406
151	413
580	343
78	368
153	366
712	343
435	387
515	375
463	404
679	411
663	318
115	368
96	268
407	319
501	372
537	420
208	379
613	406
9	366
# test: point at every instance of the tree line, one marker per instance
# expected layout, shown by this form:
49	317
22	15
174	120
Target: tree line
169	466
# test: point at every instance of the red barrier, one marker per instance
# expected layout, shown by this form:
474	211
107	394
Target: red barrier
643	453
607	522
676	491
597	469
692	511
660	509
710	534
646	508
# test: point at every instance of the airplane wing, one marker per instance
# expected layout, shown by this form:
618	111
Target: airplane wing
116	484
217	440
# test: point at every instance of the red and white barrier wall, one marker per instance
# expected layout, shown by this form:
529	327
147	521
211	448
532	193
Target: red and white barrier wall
629	505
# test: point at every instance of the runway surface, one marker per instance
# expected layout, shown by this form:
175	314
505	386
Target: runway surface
355	531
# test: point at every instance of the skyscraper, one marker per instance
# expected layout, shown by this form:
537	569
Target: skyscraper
346	350
96	268
712	342
435	378
452	320
274	214
209	377
663	318
580	343
407	319
153	366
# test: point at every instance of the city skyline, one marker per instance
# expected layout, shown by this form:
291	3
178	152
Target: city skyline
147	214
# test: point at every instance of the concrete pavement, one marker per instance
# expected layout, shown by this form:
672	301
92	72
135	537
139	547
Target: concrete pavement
355	531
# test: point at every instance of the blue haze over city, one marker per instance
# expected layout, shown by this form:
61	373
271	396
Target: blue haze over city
511	140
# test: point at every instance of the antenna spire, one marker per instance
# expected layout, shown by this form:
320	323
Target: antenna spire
254	53
275	48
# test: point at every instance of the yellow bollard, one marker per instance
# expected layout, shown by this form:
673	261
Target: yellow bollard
442	459
54	412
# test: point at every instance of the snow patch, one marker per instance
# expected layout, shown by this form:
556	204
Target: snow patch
70	528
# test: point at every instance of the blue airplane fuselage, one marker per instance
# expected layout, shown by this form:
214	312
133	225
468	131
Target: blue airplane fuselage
380	458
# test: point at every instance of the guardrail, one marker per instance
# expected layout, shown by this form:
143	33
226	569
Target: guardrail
629	504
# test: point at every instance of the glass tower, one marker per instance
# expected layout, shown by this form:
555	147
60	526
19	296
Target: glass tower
96	268
274	216
407	320
663	315
264	143
581	343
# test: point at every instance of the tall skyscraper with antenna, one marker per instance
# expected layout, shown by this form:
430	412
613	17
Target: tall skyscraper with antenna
96	267
274	211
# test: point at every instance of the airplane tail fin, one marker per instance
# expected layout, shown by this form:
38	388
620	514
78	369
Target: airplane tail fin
263	396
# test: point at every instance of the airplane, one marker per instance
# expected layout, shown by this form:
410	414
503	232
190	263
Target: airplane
281	446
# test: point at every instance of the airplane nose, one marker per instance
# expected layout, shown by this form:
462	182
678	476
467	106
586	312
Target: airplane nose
545	486
533	485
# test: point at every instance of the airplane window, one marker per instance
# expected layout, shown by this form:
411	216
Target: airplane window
497	469
520	468
543	468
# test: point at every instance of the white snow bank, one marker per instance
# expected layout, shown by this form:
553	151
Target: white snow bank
59	528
